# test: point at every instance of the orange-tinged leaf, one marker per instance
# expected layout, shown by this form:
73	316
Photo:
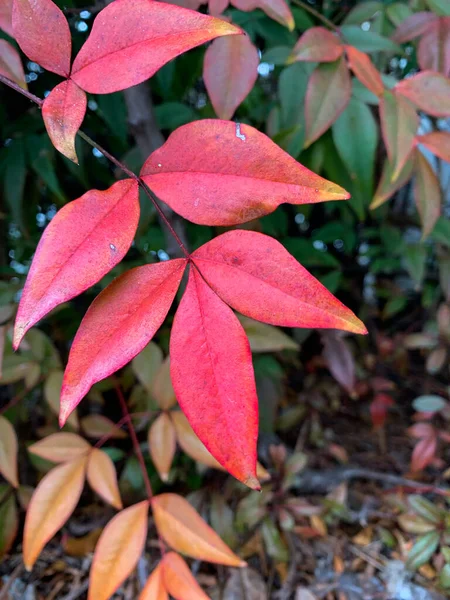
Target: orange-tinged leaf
102	477
212	375
92	234
154	589
438	142
414	26
216	172
11	64
131	39
387	187
190	442
162	388
119	323
258	277
61	447
399	124
427	194
328	93
230	71
185	531
178	580
5	16
53	501
118	551
63	112
42	32
364	69
277	10
97	426
162	444
8	452
428	90
317	44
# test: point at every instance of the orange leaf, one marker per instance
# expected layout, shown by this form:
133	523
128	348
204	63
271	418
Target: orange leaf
317	44
438	142
11	64
427	194
102	477
8	452
364	69
428	90
154	588
162	388
61	447
162	444
63	112
190	442
118	551
184	530
178	579
96	426
53	501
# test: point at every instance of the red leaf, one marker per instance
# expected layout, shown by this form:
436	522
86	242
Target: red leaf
339	360
131	39
119	324
221	173
427	194
414	26
258	277
429	91
421	430
230	71
399	124
328	93
378	409
91	234
42	32
438	142
434	48
63	112
212	375
5	16
11	64
423	453
364	69
317	44
277	10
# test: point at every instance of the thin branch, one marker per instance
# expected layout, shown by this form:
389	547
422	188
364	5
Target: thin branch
122	421
25	93
317	14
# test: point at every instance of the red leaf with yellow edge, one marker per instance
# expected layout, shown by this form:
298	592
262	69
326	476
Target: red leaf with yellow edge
131	39
317	44
178	580
154	589
364	70
118	325
328	93
42	32
6	16
230	71
98	426
162	444
399	124
185	531
92	234
213	379
102	477
438	142
8	452
387	187
162	388
258	277
118	551
11	64
216	172
63	112
277	10
61	447
427	194
53	501
414	26
433	52
429	91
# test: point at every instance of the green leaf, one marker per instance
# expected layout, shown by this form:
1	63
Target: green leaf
171	115
112	109
291	92
357	151
335	230
14	175
398	13
445	550
441	232
429	403
277	55
361	93
304	252
368	41
415	257
425	509
440	7
363	11
444	577
423	550
9	523
275	545
42	159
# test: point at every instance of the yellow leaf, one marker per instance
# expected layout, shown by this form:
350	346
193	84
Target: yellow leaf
118	551
53	501
146	364
162	388
162	444
178	579
102	477
154	589
190	443
266	338
96	426
8	452
185	531
61	447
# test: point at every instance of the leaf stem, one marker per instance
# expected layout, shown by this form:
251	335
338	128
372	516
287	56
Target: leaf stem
148	192
317	14
123	420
